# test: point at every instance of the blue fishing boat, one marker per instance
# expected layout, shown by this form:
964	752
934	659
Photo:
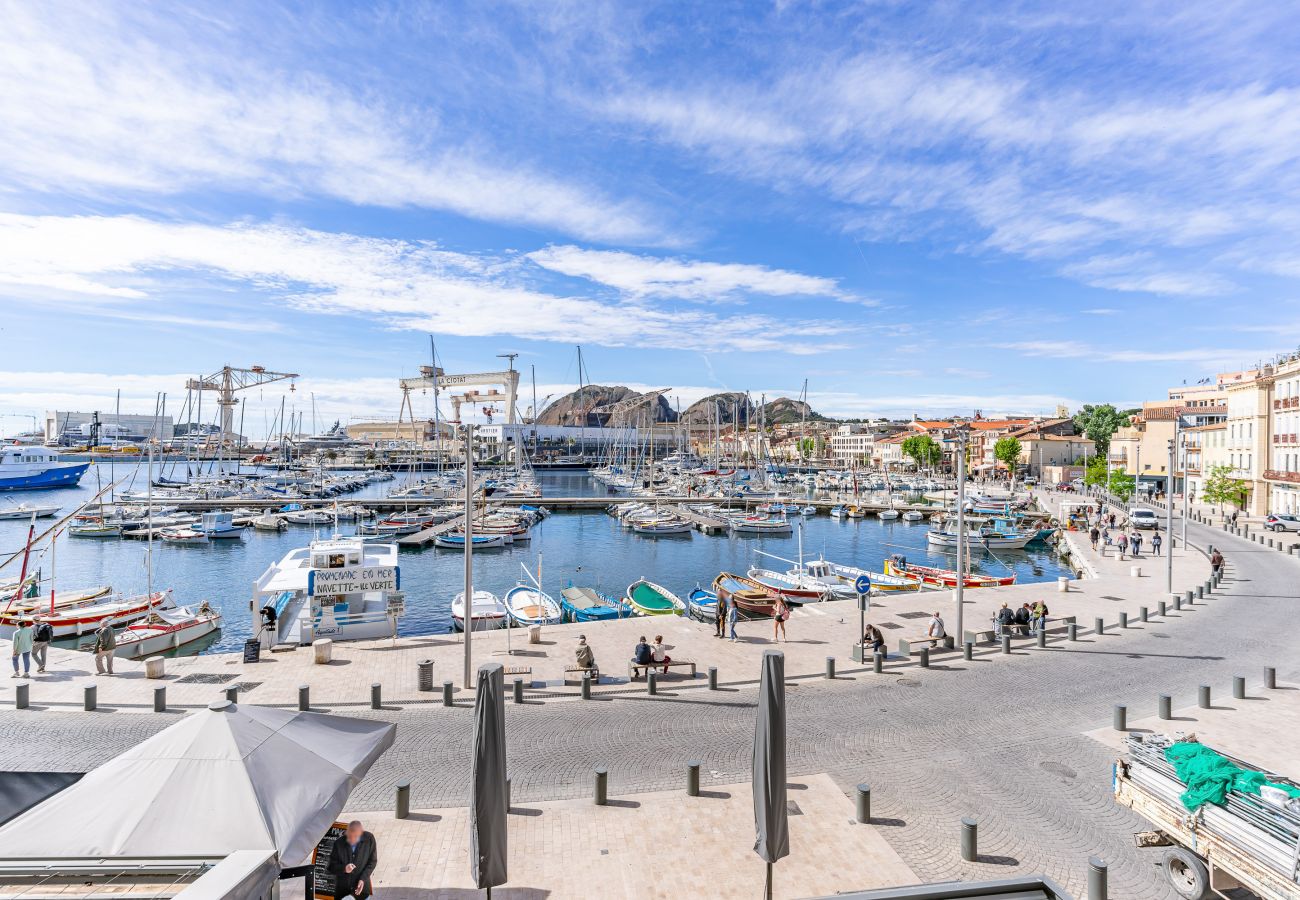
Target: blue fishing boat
584	604
702	604
37	468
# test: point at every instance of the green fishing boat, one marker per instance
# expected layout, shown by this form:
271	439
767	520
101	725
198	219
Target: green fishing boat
649	599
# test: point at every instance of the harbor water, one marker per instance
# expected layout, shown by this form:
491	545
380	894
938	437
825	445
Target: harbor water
582	548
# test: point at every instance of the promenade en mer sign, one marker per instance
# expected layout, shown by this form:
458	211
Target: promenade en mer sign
352	580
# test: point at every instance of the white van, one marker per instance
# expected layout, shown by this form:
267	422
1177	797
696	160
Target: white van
1144	518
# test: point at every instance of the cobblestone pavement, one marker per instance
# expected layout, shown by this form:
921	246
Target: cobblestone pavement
1003	743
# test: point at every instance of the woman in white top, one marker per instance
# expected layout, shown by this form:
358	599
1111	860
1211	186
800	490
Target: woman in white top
660	650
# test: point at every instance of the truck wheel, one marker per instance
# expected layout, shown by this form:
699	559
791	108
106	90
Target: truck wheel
1187	874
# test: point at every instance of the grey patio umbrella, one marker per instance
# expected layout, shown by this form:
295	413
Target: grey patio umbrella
771	824
487	803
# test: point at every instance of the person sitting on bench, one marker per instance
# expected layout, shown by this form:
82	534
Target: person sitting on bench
643	655
660	651
1003	621
873	639
935	630
583	656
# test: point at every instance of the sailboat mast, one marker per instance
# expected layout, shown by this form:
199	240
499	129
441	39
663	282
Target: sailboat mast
437	428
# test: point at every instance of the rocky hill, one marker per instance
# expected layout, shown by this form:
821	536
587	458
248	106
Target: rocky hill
733	405
784	411
592	402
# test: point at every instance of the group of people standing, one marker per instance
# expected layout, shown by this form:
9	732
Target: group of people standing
726	615
1028	619
1125	542
31	641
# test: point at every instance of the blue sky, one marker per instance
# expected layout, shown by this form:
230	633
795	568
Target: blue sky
917	207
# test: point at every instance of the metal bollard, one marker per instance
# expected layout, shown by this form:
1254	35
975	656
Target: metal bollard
586	685
402	808
602	786
1096	879
1178	601
1072	631
1203	696
864	804
1123	620
713	678
160	698
692	779
88	700
1162	609
509	785
232	694
652	682
1099	626
518	689
1238	687
830	667
925	657
968	650
1006	643
1270	678
1187	597
1042	637
1144	614
1200	592
1209	585
1119	717
969	839
447	688
425	677
22	696
304	697
878	663
1166	707
376	696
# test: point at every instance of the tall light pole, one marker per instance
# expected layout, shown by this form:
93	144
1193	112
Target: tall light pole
1169	515
1185	492
961	530
469	553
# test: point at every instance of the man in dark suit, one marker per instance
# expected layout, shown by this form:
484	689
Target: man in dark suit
352	861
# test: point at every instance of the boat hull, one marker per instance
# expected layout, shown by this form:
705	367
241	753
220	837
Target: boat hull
749	596
56	476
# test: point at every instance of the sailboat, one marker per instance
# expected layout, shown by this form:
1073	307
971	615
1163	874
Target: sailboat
527	604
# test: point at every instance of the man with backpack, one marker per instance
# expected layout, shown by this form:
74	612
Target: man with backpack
42	636
643	655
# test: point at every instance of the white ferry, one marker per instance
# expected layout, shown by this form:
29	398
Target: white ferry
37	468
342	588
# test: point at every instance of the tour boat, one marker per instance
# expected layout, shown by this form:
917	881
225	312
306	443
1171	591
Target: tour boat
793	586
650	599
269	522
218	526
167	629
527	605
94	527
488	611
479	541
27	511
943	577
584	604
749	596
342	588
702	604
36	468
86	619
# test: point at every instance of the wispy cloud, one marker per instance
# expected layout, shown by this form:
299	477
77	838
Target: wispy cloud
1206	357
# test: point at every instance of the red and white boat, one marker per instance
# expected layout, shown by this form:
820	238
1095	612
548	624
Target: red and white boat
167	629
943	578
87	619
793	586
184	537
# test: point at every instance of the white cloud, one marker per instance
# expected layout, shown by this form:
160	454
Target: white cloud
1201	357
408	285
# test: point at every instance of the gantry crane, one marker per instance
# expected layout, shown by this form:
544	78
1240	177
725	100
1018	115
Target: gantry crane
229	380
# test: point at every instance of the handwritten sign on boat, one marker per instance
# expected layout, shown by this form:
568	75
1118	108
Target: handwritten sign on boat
352	580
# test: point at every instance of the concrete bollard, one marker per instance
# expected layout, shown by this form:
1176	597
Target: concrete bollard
652	682
864	804
1270	678
968	650
402	805
160	698
89	698
1162	609
1119	717
602	786
1203	696
232	694
1063	585
1135	571
830	667
518	689
376	696
1178	601
1144	614
925	657
155	667
969	839
304	697
1123	620
1187	597
1238	687
425	677
1006	643
1166	707
692	779
22	696
878	663
1072	631
586	685
1099	626
322	651
447	689
1200	592
1042	637
713	678
1097	887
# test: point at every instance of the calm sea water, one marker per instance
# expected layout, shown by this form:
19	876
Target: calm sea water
583	548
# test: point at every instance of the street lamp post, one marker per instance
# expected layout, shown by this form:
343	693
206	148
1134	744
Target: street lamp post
961	531
469	553
1169	516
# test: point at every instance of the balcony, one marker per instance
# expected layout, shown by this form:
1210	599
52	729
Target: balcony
1278	475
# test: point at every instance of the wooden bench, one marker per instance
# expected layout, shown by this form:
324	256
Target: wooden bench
517	670
579	671
905	644
633	667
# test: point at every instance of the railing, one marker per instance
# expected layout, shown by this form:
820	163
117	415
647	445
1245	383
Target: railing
1279	475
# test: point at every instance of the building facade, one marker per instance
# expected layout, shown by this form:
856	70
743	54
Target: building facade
74	428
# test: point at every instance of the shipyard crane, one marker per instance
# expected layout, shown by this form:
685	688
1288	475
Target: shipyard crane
229	380
440	381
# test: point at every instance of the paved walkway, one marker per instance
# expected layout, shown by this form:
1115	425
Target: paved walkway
1001	738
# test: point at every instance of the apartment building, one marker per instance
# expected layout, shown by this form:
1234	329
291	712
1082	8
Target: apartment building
1203	448
1281	475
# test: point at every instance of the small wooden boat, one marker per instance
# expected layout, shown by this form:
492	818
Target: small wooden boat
660	527
479	541
526	605
750	597
761	525
650	599
183	537
943	577
94	528
702	605
584	604
167	629
982	539
36	606
308	517
86	619
857	512
488	612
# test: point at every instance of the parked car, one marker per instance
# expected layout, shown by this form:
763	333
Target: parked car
1277	522
1064	486
1144	518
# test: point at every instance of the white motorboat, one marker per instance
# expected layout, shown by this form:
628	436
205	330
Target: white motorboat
889	514
183	537
488	612
913	515
218	526
308	517
657	527
167	629
269	522
527	605
26	511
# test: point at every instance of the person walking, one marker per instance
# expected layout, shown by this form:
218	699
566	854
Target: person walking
1234	517
1216	561
1136	543
732	615
42	636
720	618
780	612
105	647
1156	541
1122	543
1038	617
1094	535
352	862
21	642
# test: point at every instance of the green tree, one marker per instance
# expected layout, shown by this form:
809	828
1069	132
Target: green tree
924	450
807	446
1007	452
1095	474
1121	484
1099	423
1221	487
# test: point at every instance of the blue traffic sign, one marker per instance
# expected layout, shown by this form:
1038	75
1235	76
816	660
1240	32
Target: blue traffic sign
863	584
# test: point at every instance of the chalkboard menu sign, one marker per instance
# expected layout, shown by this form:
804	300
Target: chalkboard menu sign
322	880
252	650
